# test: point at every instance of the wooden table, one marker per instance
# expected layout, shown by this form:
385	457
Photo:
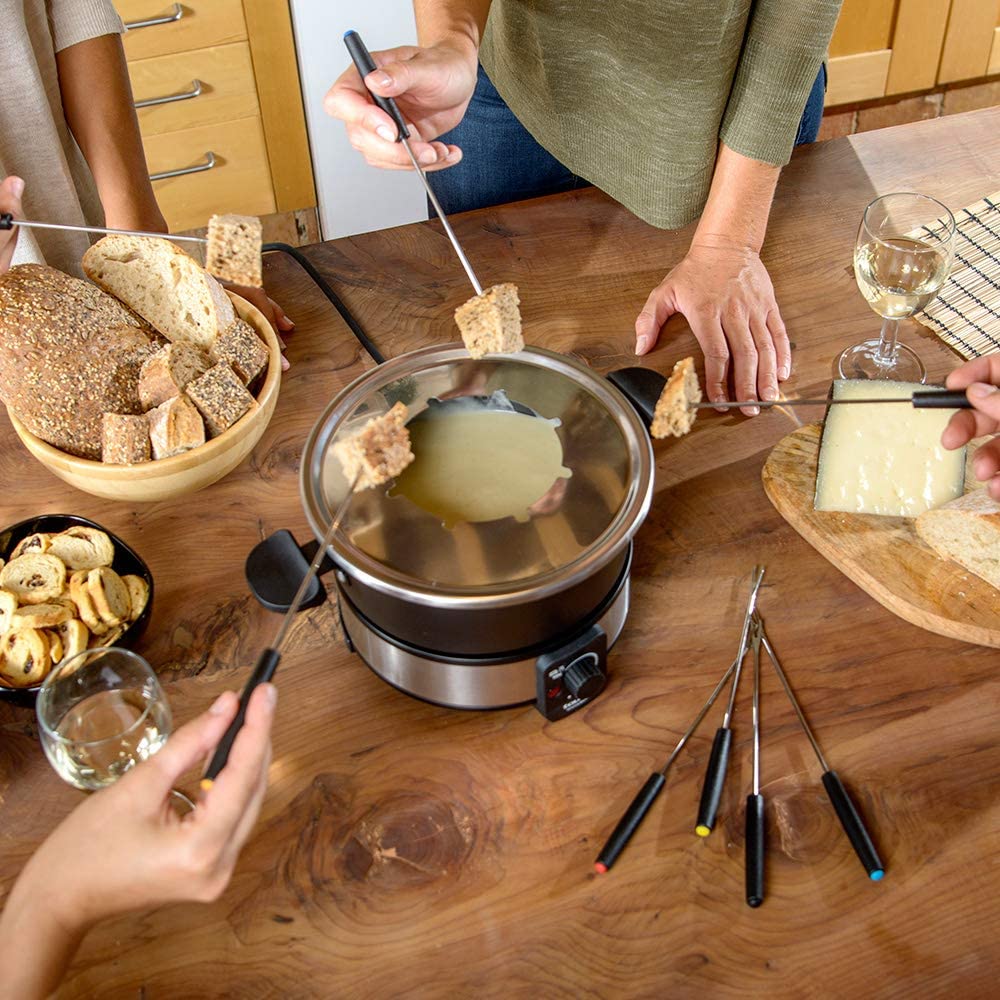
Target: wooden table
411	850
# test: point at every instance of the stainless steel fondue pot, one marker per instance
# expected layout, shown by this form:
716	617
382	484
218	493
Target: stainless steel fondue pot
485	615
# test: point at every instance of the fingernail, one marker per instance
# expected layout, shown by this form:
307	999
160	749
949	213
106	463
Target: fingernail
770	392
284	364
980	390
754	410
17	186
381	79
428	156
219	705
270	694
783	372
642	343
454	156
720	409
384	132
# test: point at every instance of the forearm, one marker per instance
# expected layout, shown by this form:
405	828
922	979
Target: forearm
739	202
458	21
97	101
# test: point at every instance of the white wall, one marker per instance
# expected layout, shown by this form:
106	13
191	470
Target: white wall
353	197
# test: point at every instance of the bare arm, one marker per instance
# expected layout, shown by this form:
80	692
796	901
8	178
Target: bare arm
97	101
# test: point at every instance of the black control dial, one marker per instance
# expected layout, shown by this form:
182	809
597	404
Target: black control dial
584	677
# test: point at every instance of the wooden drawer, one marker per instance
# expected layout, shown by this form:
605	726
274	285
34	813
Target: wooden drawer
202	23
239	182
227	85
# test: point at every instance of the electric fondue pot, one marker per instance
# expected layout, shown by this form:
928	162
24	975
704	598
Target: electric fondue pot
483	613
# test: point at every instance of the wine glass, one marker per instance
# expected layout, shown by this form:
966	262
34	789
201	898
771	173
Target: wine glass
100	713
902	256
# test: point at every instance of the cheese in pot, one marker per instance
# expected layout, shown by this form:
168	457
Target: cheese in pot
885	458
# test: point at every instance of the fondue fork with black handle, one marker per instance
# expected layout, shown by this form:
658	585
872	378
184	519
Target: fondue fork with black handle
755	801
922	399
718	761
847	813
267	662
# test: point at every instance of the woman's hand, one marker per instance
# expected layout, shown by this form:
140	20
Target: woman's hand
432	87
272	312
980	379
124	848
11	190
725	292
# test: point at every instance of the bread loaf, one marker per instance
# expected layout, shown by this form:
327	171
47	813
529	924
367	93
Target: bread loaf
243	350
166	373
966	530
69	353
221	398
174	427
165	286
491	323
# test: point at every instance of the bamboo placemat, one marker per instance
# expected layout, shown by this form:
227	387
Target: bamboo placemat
966	313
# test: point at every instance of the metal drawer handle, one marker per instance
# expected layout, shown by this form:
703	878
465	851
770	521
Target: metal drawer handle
184	95
177	14
207	165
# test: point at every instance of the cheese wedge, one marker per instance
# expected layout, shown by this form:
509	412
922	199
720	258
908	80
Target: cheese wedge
885	459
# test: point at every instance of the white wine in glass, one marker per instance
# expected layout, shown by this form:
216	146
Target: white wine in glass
902	257
100	713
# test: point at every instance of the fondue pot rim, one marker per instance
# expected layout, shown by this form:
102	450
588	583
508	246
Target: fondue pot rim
368	570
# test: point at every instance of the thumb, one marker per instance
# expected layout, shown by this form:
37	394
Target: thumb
985	398
186	748
658	309
401	77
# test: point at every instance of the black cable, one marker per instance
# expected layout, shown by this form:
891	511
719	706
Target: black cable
338	303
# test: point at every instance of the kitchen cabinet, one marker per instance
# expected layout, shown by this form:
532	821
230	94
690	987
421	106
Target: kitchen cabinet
219	105
885	47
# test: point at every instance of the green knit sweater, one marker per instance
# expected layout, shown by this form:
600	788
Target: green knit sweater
634	95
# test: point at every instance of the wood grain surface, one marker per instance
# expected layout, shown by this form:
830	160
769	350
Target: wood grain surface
883	555
409	850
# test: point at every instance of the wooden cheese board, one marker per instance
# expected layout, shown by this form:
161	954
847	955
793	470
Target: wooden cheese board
882	555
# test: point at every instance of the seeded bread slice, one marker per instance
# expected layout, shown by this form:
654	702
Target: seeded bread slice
110	595
221	398
379	451
24	658
675	412
166	373
245	352
174	427
165	286
233	251
125	438
34	578
966	530
491	323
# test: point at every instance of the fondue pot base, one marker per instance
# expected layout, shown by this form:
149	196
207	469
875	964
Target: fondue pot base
559	677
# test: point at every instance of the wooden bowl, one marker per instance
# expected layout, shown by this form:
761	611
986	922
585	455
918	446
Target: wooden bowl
181	474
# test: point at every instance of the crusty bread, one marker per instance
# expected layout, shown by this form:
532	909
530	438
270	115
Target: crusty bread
245	352
379	451
24	657
675	411
74	635
8	605
174	427
81	547
110	595
491	323
56	647
167	373
37	543
34	578
125	438
138	592
966	530
41	615
68	354
165	286
221	398
80	596
233	251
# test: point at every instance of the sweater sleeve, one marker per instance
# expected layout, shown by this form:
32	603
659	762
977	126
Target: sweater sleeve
784	46
74	21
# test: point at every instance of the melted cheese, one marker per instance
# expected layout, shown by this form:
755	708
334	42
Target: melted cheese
885	459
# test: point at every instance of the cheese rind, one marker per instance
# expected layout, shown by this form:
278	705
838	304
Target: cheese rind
885	458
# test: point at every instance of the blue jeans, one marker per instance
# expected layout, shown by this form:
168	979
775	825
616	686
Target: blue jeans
501	161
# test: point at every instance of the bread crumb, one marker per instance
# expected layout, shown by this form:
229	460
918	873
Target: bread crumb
491	323
378	452
675	409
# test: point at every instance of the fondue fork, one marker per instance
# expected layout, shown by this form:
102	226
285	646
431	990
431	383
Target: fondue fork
365	65
850	818
640	805
7	221
755	801
718	761
267	662
922	399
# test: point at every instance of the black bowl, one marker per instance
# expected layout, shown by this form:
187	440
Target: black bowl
125	561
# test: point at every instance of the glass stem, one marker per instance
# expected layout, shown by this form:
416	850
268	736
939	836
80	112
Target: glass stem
885	353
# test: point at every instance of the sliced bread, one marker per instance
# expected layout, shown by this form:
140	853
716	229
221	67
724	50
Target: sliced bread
82	547
675	410
165	286
379	451
34	578
221	398
966	530
491	323
166	373
174	427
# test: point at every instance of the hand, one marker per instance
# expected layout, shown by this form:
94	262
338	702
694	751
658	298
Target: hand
432	86
980	379
726	295
124	848
11	190
273	313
